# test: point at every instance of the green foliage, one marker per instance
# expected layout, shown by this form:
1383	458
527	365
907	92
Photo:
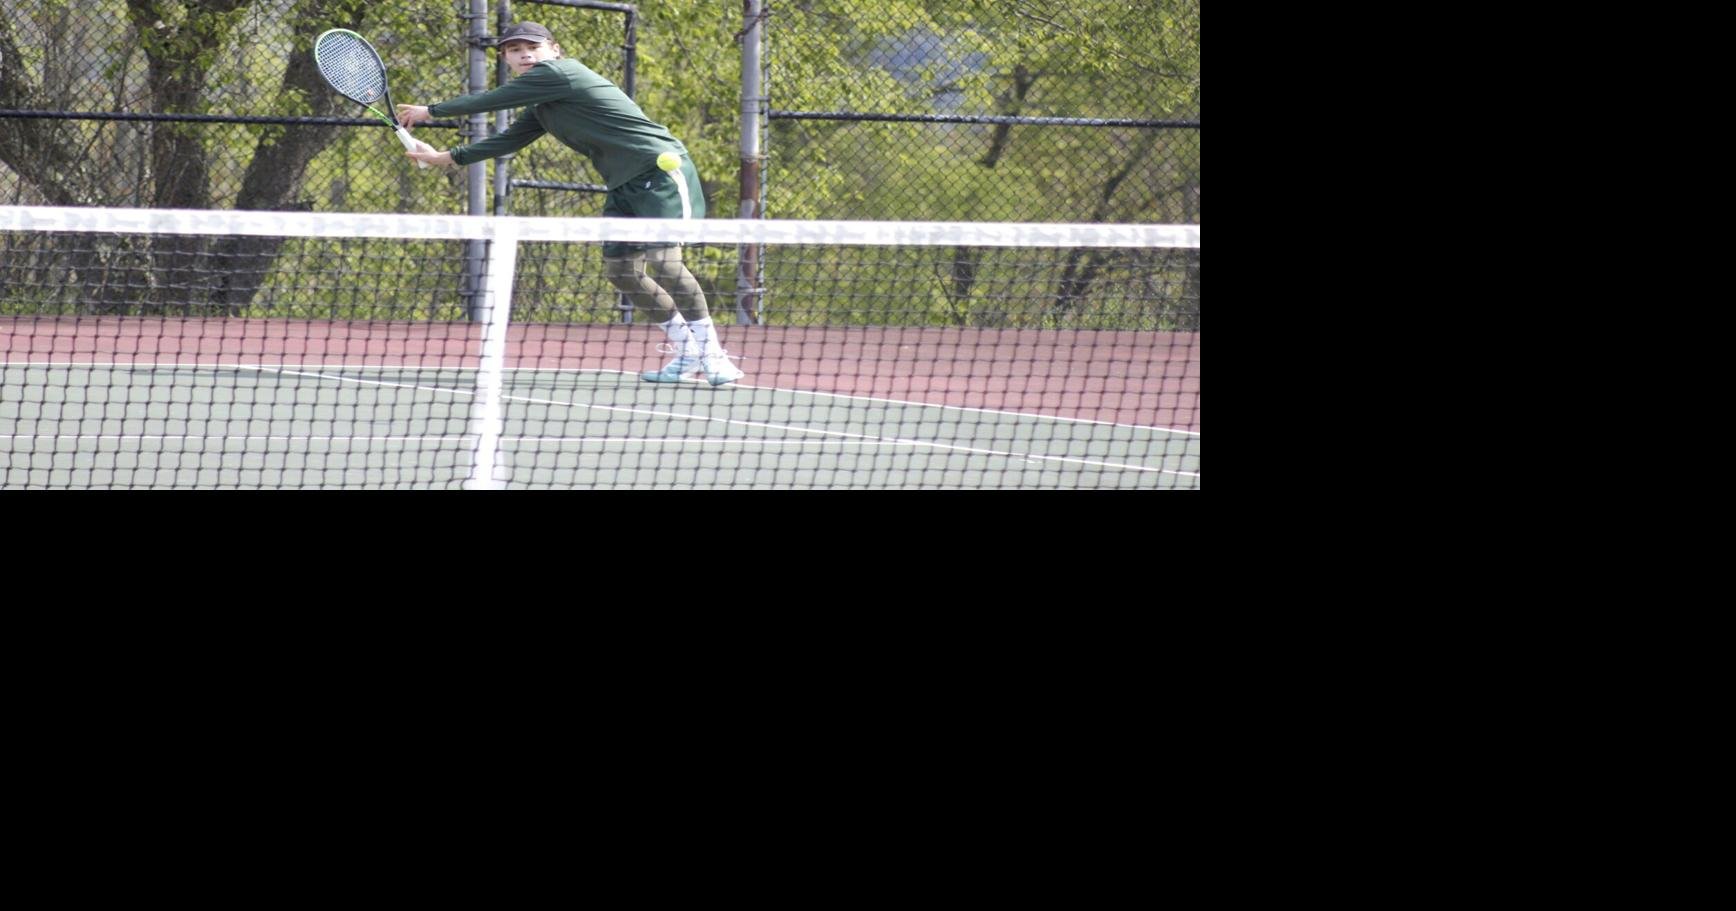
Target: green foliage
1086	58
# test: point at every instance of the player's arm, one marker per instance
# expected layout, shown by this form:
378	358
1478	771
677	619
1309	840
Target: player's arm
535	87
523	132
428	155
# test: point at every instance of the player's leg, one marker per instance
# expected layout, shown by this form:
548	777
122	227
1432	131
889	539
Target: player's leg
626	270
678	193
665	266
624	265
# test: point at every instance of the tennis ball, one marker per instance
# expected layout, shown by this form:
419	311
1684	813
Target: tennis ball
669	161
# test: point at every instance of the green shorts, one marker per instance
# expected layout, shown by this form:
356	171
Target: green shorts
654	194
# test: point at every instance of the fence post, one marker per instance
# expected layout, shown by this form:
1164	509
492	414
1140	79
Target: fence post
476	175
752	105
630	60
503	164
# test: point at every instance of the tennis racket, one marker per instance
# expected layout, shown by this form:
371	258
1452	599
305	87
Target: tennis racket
352	67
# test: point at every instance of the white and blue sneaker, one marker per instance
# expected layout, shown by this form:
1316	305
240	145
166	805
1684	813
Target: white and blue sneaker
719	369
683	369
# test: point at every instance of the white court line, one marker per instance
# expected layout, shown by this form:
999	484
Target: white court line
727	421
842	433
870	398
838	395
245	437
351	379
687	442
348	438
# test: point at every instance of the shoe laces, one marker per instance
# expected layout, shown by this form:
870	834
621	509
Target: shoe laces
672	351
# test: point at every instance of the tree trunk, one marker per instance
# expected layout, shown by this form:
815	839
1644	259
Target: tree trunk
178	59
42	152
278	171
1010	106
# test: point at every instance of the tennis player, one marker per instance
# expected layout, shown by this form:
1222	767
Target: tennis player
592	116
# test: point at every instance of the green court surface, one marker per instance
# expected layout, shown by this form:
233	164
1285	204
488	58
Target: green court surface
123	426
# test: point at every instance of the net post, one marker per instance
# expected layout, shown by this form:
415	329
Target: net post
485	408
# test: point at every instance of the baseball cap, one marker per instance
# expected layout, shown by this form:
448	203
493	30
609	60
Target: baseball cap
524	31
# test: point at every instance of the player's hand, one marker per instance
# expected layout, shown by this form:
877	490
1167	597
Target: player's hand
427	154
411	114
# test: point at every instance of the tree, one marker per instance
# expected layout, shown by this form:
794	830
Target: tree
172	57
1087	58
1093	58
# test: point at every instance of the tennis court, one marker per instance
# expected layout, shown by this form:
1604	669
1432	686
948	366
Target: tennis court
194	403
194	349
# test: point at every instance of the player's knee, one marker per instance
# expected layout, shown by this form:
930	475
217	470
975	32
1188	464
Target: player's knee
627	273
664	265
664	259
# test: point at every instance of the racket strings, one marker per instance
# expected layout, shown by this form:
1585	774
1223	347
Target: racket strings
351	68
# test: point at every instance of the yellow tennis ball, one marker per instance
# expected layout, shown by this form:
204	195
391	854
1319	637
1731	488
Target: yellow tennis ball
669	161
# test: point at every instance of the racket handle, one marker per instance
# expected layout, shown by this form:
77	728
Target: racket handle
410	143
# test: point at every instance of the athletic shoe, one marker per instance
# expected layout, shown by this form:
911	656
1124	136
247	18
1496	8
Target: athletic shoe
719	370
681	370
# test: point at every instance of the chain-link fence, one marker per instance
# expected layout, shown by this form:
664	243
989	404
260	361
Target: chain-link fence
873	109
218	104
547	178
209	105
1081	111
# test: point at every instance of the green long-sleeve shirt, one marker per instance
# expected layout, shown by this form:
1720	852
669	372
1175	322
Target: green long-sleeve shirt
580	108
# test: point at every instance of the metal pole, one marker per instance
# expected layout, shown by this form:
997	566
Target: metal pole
476	181
503	164
747	257
631	63
629	80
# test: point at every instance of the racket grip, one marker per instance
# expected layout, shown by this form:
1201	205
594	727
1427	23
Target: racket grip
410	144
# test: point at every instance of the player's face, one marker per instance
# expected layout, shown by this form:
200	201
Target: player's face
520	56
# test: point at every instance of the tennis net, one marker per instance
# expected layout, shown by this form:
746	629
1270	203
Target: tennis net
217	349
